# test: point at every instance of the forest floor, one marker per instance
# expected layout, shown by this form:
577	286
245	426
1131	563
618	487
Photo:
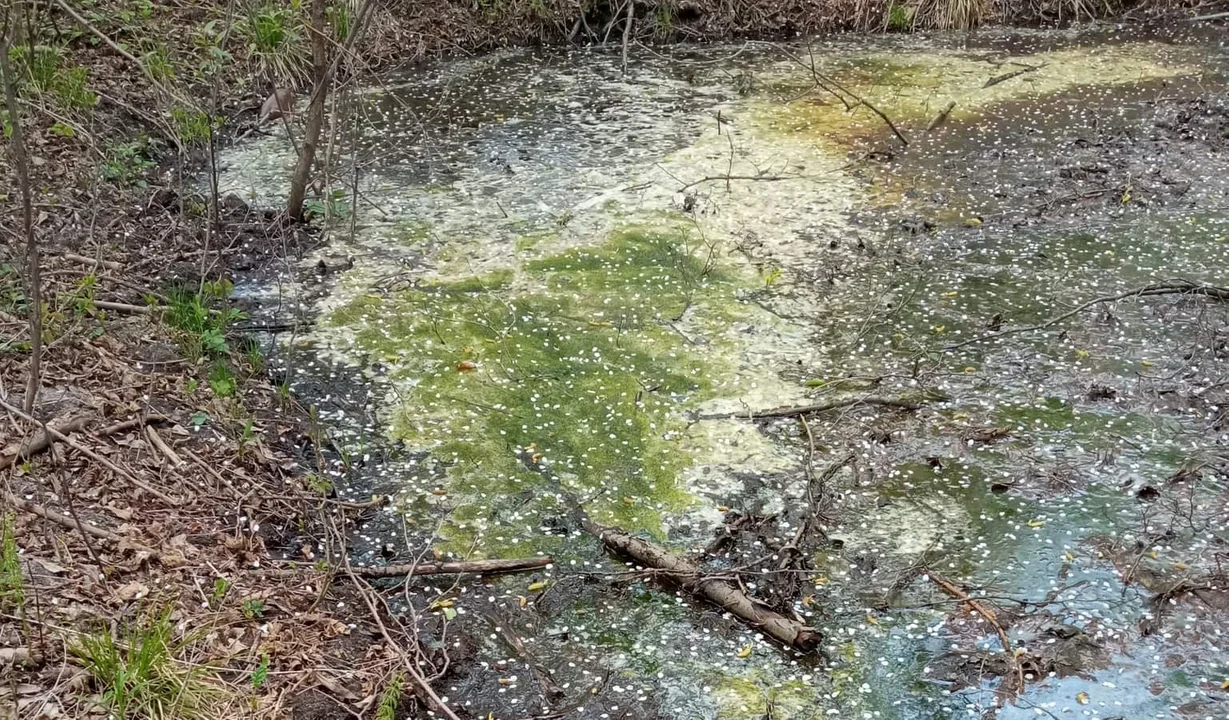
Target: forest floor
139	570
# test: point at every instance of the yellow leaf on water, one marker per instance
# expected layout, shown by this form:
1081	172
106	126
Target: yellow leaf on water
722	508
745	652
939	329
1081	354
1036	523
539	585
871	619
951	294
1224	685
1082	698
522	600
970	370
1146	363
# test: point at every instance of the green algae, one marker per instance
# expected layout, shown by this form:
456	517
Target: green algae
564	376
911	88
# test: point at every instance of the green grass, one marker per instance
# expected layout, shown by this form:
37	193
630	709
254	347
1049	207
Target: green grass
201	322
127	162
42	72
137	675
12	588
276	38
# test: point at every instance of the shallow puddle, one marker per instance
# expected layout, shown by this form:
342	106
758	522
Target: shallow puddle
567	284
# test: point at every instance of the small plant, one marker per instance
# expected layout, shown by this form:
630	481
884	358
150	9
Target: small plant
246	436
253	608
333	207
222	381
261	674
221	586
137	675
191	126
202	327
390	698
192	385
199	419
126	163
12	588
319	485
900	17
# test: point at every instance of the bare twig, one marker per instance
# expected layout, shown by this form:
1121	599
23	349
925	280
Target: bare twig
904	403
97	458
1176	288
1014	73
55	517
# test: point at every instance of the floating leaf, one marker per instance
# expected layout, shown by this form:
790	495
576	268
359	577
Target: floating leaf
539	585
744	653
1082	698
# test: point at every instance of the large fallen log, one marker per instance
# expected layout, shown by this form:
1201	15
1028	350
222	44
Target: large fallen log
685	574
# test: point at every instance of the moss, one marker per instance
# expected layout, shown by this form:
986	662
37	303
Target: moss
412	232
562	377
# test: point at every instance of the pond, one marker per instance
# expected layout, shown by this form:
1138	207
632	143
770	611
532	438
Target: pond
569	286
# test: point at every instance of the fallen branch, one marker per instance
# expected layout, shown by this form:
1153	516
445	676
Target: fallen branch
24	657
39	442
466	567
728	178
97	458
125	307
910	403
162	446
1009	75
718	591
551	692
55	517
1179	288
83	260
942	116
950	588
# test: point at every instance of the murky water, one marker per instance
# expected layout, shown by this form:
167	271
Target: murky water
561	275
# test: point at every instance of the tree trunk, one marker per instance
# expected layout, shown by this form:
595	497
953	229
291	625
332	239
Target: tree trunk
315	112
32	270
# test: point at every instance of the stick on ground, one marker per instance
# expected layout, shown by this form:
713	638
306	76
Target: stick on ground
718	591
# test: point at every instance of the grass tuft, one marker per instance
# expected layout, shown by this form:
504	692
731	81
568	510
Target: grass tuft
138	676
12	589
276	38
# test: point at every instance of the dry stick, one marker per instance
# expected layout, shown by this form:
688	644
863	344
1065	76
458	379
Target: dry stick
33	281
477	567
951	589
827	84
97	458
410	666
165	449
92	262
55	517
1014	73
468	567
40	441
942	116
627	31
125	307
20	657
551	692
902	403
718	591
1181	288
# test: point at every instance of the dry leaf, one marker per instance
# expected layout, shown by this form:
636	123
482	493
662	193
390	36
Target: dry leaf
134	590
